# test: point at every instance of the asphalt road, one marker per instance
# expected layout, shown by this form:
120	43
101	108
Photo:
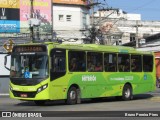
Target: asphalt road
110	107
140	102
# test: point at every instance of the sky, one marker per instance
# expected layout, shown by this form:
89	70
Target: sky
149	9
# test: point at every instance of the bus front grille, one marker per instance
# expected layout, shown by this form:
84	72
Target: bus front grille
24	94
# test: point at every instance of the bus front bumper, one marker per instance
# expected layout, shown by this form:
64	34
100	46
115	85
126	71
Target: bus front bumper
40	94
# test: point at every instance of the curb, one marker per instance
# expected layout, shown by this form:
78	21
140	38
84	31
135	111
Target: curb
156	98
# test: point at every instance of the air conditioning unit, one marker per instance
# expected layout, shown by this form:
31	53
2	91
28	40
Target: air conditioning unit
142	41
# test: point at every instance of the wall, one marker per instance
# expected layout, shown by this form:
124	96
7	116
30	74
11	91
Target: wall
9	16
3	70
117	14
79	2
76	17
4	76
70	30
128	27
4	86
14	15
157	55
133	16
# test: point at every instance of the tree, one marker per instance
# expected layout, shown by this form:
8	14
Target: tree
94	35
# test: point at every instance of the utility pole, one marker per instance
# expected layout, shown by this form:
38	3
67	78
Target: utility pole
92	12
31	16
137	41
93	30
52	28
137	31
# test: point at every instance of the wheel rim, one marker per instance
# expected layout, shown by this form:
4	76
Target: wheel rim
127	93
72	95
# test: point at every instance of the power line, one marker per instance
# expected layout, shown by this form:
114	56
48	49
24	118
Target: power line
144	5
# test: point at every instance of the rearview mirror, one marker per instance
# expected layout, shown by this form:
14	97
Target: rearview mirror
5	61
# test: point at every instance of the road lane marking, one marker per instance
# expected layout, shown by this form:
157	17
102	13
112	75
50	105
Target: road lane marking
4	94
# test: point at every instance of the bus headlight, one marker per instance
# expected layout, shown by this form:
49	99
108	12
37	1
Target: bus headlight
42	88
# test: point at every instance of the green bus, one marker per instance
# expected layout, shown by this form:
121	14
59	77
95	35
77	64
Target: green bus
51	71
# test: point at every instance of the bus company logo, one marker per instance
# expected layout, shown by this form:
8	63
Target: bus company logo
145	77
88	78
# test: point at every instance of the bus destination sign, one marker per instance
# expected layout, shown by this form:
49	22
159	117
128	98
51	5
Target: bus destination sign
29	49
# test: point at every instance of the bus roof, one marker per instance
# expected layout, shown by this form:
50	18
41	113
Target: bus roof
104	48
92	47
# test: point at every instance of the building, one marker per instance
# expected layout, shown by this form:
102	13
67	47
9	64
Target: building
49	20
69	18
17	17
115	13
120	27
64	20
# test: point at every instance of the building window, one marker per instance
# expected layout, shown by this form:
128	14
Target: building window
68	17
119	42
132	37
84	20
61	18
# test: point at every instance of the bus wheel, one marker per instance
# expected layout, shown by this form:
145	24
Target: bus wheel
72	96
40	102
127	92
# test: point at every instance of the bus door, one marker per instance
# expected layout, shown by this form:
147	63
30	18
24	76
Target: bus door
58	63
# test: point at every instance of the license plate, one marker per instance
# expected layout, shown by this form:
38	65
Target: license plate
23	95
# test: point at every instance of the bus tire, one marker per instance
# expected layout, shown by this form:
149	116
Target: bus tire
127	92
40	102
72	96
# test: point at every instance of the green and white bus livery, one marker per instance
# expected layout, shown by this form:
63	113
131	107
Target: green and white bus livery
52	71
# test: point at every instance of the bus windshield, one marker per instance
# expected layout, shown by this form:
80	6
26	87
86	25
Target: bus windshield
29	66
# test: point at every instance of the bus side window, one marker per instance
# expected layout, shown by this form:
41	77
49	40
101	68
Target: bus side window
147	63
94	62
123	63
77	61
110	62
136	63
